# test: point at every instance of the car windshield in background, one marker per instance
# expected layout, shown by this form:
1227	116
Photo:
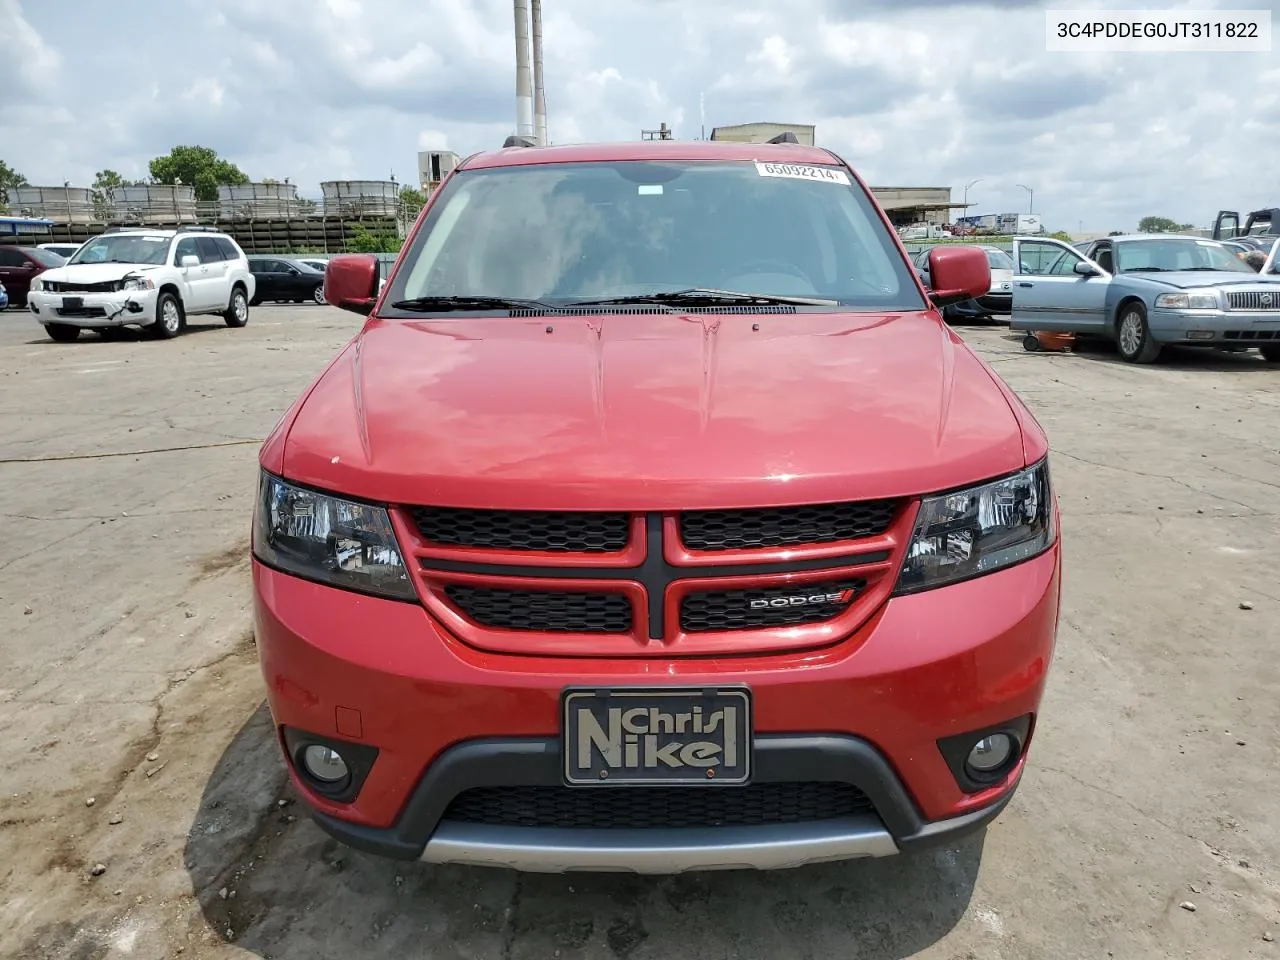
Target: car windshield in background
999	260
124	248
1173	254
47	258
560	233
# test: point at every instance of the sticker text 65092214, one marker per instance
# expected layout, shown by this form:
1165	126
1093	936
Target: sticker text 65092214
800	171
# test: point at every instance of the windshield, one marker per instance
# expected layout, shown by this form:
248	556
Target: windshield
124	248
1140	256
46	258
999	260
559	233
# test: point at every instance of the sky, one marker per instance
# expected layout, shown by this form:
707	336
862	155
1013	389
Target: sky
909	92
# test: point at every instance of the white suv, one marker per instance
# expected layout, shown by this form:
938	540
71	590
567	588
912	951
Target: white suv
148	278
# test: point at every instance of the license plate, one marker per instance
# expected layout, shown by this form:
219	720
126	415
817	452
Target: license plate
73	303
658	735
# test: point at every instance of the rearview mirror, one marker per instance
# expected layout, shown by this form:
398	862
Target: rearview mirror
958	273
351	282
1085	269
191	260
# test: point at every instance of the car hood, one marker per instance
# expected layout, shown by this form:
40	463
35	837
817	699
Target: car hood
652	412
1184	279
96	272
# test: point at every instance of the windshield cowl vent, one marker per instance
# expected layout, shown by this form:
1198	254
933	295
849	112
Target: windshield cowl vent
631	310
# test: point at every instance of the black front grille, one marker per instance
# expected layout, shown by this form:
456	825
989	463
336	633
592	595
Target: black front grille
785	526
733	610
606	808
550	531
70	286
543	611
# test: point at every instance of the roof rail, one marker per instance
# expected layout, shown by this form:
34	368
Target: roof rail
787	137
196	228
517	141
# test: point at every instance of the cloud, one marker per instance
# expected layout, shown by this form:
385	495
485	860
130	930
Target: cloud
927	92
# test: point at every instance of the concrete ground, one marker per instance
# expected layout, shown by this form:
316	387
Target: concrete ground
1148	823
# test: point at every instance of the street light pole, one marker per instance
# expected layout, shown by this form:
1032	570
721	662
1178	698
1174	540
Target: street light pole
1031	203
966	191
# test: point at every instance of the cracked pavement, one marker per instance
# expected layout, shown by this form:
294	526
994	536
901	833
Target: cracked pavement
129	677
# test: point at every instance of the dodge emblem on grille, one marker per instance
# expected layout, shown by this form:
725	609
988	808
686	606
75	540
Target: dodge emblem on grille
804	600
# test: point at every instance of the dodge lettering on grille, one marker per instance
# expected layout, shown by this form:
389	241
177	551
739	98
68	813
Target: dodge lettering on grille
801	600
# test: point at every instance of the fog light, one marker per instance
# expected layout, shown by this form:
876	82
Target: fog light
1200	334
325	764
990	753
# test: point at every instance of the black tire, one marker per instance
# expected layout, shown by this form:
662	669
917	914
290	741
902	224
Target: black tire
169	317
1030	343
1271	354
237	312
62	332
1133	336
318	295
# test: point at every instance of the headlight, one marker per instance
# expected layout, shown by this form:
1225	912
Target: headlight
322	538
138	283
36	285
971	532
1188	301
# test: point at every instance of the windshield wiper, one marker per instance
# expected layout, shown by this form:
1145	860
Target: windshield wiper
445	304
705	297
1147	270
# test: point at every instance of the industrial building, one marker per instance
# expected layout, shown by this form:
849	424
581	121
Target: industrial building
433	167
763	132
904	205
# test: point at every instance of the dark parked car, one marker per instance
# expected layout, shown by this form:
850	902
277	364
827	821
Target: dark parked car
19	265
997	300
280	278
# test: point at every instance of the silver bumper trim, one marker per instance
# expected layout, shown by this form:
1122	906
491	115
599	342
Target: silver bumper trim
539	850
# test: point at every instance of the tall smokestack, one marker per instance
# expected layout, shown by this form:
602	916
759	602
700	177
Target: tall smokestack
524	85
539	94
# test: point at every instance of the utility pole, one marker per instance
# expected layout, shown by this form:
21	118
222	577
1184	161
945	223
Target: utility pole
1032	201
524	80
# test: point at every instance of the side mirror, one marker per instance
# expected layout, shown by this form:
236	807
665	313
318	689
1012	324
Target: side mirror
1085	269
958	273
351	282
190	260
294	271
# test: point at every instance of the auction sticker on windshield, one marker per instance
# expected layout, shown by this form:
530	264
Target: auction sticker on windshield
799	171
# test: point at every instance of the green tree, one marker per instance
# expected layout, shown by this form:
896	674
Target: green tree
9	177
1061	235
412	201
200	167
362	240
1161	225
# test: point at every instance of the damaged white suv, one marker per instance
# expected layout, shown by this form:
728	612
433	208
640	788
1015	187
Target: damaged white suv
148	278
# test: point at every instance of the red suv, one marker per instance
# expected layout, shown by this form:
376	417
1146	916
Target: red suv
655	521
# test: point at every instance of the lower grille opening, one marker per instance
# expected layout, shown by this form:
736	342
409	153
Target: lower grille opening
605	808
539	610
1251	335
771	607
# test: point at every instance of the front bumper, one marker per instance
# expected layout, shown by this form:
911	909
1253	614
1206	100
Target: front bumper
1215	326
95	309
869	711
